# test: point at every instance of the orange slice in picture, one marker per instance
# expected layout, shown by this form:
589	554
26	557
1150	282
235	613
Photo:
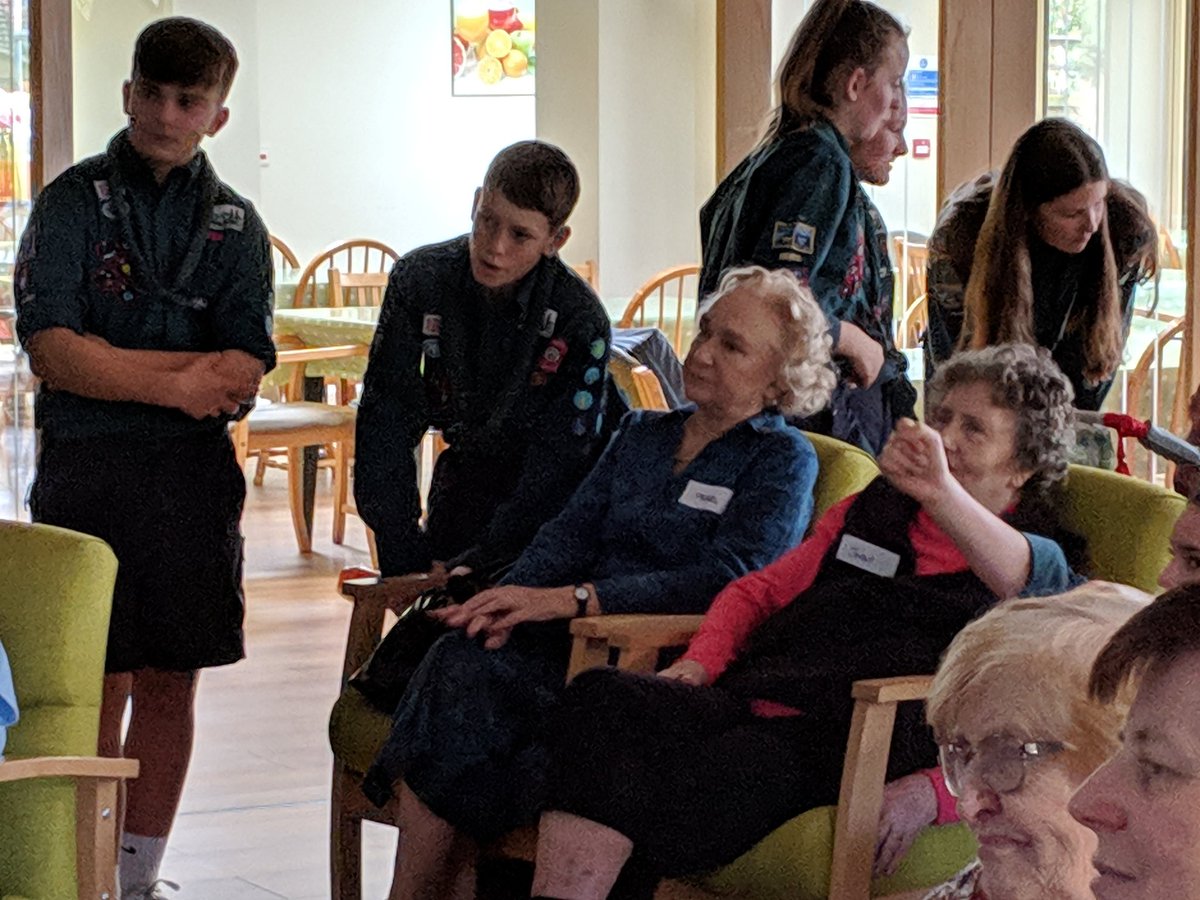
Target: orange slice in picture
515	63
490	71
498	44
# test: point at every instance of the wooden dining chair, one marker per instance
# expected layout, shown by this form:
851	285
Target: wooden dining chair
283	258
357	255
668	302
296	424
1149	394
356	288
589	271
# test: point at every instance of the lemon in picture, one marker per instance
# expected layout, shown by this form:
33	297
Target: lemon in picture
490	71
498	44
515	64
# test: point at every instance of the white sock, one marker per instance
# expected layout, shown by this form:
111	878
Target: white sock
140	859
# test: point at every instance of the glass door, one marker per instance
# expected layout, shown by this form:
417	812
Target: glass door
16	382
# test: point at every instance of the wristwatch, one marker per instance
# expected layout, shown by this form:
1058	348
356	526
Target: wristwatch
582	596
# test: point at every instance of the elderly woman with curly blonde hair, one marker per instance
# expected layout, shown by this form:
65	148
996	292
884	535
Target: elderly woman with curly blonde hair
1018	733
679	504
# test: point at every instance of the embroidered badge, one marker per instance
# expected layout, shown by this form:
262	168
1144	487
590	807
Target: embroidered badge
591	376
598	346
797	237
432	348
549	319
578	428
584	400
227	217
431	325
104	195
537	379
113	273
552	356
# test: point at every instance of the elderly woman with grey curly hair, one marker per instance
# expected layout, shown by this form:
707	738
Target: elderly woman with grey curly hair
679	504
677	773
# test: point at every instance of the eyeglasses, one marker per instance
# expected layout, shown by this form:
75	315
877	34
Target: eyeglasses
1000	761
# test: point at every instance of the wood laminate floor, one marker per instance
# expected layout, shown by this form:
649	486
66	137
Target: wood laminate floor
254	819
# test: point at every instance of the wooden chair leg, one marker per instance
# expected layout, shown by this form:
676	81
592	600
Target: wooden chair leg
341	477
260	468
345	840
96	837
296	498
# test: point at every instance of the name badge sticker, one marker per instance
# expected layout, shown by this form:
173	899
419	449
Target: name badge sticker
707	497
868	557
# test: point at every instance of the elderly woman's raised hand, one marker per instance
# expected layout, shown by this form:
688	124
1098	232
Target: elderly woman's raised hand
914	461
909	805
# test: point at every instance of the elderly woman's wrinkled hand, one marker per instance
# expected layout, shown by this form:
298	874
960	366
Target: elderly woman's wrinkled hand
909	805
497	610
686	670
914	461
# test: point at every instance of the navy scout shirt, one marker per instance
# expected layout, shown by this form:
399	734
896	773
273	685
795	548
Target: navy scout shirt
181	266
515	383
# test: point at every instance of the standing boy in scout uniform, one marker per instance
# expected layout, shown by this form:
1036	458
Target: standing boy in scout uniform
144	299
493	340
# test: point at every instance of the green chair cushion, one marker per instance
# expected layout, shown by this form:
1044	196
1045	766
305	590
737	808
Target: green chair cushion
842	470
357	730
1127	523
793	861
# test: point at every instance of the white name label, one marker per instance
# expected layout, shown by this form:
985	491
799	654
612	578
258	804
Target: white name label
862	555
708	497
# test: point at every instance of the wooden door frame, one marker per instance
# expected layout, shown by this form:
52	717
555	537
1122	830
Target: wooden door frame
50	90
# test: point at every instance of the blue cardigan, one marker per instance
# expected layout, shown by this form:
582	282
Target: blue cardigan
653	541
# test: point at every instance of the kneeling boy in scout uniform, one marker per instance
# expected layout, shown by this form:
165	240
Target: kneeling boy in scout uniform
493	340
144	298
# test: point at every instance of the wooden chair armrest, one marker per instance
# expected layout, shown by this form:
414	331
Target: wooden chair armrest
863	774
21	768
892	690
96	781
637	638
369	596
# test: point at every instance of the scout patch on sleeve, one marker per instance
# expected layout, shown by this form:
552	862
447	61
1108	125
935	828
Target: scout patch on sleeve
227	217
796	237
549	319
431	325
708	497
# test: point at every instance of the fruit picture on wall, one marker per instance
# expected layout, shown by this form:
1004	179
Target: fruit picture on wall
492	48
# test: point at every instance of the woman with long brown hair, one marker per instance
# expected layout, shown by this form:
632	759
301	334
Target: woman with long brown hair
1050	253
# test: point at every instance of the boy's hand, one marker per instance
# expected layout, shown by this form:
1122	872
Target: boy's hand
206	387
863	352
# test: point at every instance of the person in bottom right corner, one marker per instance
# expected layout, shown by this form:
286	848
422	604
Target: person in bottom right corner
1144	803
1018	732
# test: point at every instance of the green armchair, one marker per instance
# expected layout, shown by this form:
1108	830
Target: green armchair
356	730
59	837
828	852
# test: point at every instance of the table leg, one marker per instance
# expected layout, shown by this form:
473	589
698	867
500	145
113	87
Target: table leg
314	391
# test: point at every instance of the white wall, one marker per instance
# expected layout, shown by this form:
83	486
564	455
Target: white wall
101	56
657	153
364	139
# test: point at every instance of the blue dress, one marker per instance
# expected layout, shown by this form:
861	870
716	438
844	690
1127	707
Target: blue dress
467	736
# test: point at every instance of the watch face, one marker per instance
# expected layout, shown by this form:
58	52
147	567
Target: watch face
581	593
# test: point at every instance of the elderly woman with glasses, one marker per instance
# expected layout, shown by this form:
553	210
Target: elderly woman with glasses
1018	733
